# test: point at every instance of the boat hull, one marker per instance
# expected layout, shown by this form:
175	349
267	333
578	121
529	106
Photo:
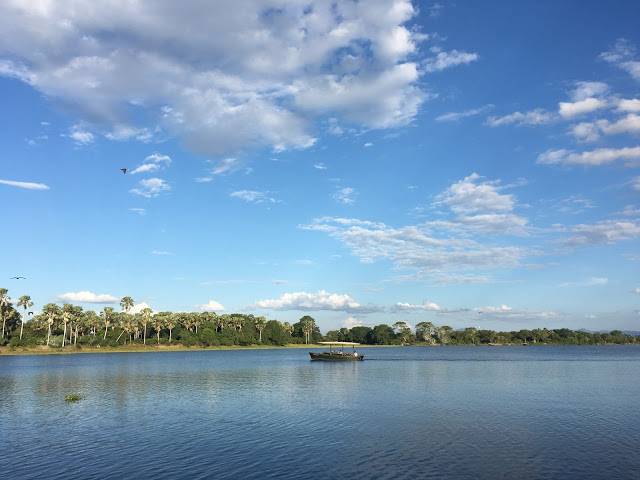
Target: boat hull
335	357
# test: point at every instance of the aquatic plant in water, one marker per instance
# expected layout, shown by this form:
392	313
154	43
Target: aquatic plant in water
72	398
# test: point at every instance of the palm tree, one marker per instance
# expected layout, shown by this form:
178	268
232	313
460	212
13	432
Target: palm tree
67	311
51	310
107	319
260	324
146	315
126	303
159	322
172	320
4	301
24	302
78	318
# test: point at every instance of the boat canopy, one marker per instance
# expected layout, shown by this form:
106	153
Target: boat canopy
340	344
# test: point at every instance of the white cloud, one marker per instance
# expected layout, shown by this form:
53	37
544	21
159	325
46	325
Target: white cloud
426	305
27	185
629	124
501	309
175	68
151	187
570	110
586	90
629	105
455	116
320	166
444	60
253	196
623	56
138	308
160	252
588	282
468	196
585	132
534	117
139	211
608	231
152	163
321	300
80	135
637	290
345	196
596	157
212	306
86	297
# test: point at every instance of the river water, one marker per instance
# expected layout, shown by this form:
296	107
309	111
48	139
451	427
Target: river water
402	413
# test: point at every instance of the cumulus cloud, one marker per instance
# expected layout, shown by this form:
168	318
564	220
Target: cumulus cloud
629	105
86	297
570	110
27	185
146	69
151	187
469	196
212	306
321	300
426	305
138	308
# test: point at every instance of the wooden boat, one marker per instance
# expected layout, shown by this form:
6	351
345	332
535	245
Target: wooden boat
337	355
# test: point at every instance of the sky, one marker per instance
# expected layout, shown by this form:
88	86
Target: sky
471	164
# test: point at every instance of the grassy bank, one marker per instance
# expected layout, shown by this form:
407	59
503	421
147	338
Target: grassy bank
44	350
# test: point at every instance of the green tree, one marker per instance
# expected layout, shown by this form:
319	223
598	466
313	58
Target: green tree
425	332
24	302
403	331
4	302
126	303
382	334
51	310
67	312
260	323
146	316
107	314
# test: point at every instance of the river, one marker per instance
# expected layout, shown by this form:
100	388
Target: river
403	413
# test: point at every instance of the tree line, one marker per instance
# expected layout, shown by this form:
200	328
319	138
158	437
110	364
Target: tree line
70	325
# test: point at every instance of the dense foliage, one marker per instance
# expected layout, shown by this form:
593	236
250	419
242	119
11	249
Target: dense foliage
61	326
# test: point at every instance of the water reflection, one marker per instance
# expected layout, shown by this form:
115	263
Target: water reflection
402	413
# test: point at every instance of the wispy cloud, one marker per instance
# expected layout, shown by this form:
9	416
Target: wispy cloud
253	196
151	187
346	196
27	185
455	116
444	60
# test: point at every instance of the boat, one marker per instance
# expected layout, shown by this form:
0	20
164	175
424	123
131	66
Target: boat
339	355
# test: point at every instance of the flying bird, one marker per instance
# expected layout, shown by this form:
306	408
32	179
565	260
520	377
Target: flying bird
18	278
30	313
124	170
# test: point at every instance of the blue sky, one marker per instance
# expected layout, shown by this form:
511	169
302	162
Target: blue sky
362	163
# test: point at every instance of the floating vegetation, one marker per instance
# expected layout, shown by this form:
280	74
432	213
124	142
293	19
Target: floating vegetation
72	398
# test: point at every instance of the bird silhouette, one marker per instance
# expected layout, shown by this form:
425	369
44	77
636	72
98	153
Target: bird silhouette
30	313
18	278
124	170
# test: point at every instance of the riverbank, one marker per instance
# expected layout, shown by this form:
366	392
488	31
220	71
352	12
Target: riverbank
44	350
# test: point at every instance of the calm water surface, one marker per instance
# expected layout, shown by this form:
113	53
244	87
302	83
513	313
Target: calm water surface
403	413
